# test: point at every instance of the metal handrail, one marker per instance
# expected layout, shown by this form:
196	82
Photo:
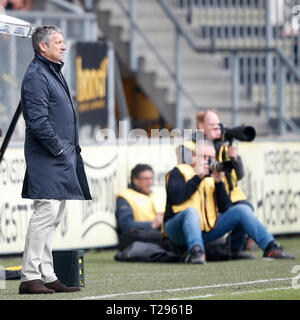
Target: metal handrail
180	30
48	14
157	54
214	49
66	6
270	48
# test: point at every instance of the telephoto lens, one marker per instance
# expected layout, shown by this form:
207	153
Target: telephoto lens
242	133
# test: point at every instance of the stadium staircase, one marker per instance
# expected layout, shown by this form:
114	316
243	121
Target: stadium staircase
206	77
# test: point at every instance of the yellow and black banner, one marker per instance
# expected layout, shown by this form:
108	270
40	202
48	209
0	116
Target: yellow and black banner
91	83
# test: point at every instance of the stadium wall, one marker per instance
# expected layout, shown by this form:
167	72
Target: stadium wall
271	182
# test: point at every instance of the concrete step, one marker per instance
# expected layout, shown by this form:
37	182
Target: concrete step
149	22
214	102
204	76
191	65
190	76
187	56
143	8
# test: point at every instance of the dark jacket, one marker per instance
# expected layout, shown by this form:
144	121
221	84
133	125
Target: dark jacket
51	126
237	164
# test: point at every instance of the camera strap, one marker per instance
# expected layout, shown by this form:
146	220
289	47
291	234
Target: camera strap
227	174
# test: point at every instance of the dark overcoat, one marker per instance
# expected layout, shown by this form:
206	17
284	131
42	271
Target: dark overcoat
51	126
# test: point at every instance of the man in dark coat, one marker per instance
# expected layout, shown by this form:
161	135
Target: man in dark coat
54	167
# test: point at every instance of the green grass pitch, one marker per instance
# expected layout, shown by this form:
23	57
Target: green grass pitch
107	279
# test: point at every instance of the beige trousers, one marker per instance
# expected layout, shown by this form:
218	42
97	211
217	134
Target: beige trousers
37	256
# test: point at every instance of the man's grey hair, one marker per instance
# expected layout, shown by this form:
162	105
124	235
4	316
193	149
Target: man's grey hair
43	34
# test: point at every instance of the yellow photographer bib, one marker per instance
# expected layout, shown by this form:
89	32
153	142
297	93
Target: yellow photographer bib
144	207
203	200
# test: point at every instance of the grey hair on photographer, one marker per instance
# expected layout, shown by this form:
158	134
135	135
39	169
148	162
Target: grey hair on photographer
43	34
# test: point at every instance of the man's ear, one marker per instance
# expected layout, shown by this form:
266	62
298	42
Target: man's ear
134	180
42	47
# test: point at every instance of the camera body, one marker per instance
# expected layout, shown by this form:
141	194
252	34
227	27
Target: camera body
215	165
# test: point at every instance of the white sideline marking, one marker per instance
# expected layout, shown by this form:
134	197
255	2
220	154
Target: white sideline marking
182	289
232	293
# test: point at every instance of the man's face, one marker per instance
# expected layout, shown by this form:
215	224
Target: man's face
18	4
202	156
211	126
55	49
209	152
145	181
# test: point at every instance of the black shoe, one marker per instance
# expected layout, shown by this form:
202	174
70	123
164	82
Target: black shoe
275	251
240	255
196	256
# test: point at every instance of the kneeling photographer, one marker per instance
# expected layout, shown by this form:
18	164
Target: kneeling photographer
199	210
210	122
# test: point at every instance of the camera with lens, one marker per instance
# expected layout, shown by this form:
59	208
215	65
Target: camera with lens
242	133
215	165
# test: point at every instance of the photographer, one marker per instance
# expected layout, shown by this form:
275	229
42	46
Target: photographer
209	121
139	214
199	210
138	207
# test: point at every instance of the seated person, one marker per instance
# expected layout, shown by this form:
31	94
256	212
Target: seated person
138	207
221	248
139	216
199	210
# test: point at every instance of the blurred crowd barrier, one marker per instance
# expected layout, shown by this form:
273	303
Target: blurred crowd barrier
271	182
